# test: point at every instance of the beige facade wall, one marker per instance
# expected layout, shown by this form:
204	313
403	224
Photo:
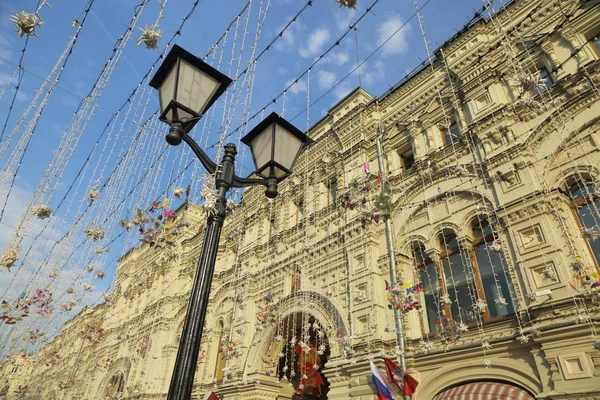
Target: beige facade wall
512	165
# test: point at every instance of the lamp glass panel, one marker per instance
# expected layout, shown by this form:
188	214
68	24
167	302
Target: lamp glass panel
287	147
195	88
279	172
261	147
167	89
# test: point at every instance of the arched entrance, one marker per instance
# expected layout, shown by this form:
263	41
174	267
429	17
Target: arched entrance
115	387
304	349
483	391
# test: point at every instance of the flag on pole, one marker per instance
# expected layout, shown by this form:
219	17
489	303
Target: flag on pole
397	376
384	389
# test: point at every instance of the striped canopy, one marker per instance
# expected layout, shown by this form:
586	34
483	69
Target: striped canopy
484	391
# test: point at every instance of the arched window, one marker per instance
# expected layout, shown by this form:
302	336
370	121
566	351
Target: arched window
586	203
431	288
460	285
489	266
223	343
454	288
296	281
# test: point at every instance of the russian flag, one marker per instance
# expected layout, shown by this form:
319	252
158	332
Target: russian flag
384	389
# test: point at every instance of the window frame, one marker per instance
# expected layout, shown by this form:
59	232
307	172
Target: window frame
410	162
537	91
576	204
469	252
595	44
448	131
332	194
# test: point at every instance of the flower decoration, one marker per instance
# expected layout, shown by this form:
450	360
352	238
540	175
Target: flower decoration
42	212
230	205
178	192
461	171
486	345
94	233
445	299
461	327
589	234
208	194
127	225
360	196
496	247
501	301
26	23
43	302
93	194
426	346
523	339
487	363
94	333
345	343
68	306
34	334
53	273
10	257
150	37
351	4
528	100
89	268
70	290
87	287
100	274
480	305
582	319
527	81
100	250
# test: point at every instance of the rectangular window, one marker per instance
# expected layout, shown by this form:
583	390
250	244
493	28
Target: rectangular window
546	82
451	134
271	228
332	188
433	308
596	44
299	210
425	140
407	159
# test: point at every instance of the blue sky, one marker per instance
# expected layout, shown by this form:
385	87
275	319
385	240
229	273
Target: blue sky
315	30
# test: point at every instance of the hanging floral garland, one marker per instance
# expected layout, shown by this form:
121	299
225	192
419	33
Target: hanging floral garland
360	196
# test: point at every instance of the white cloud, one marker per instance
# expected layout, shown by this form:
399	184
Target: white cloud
342	90
393	31
316	42
343	18
326	79
374	73
287	41
338	58
298	87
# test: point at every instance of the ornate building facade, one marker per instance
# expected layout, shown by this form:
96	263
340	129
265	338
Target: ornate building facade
492	187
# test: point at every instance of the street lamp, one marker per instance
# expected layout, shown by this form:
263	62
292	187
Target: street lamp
187	87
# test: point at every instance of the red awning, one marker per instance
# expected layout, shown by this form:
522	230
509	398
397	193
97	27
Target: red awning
484	391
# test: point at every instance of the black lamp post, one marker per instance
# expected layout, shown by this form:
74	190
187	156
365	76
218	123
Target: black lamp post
187	88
